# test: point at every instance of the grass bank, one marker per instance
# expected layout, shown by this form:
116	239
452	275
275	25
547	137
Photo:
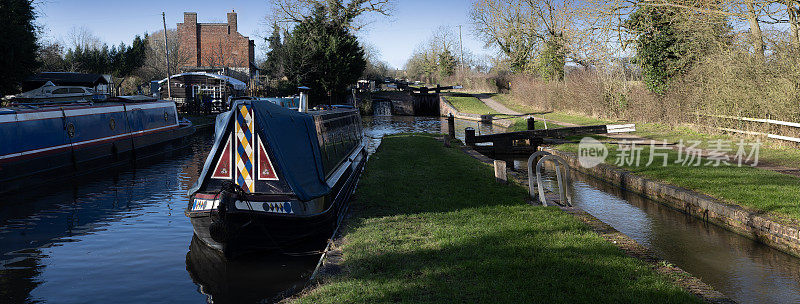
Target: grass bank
763	190
521	124
465	103
431	225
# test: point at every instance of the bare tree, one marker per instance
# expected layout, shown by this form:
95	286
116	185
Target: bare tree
154	66
84	38
350	13
51	57
523	28
750	12
786	12
425	60
793	13
503	24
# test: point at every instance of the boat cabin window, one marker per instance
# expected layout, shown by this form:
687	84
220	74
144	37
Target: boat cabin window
76	90
61	91
339	136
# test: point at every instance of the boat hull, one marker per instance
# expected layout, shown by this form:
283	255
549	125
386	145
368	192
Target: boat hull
50	145
234	233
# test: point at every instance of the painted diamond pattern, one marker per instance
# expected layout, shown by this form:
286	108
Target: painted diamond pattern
244	148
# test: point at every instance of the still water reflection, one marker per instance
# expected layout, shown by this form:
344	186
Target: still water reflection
248	279
745	270
119	238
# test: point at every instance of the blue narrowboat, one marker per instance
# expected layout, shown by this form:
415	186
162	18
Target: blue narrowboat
277	179
45	141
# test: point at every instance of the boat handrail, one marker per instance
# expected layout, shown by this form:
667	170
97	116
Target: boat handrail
36	105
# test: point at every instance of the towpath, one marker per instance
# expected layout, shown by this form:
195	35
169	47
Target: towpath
499	107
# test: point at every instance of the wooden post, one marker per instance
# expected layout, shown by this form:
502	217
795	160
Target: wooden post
500	173
166	49
531	123
469	136
447	141
451	125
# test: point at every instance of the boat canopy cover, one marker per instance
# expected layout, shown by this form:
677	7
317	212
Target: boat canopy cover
292	138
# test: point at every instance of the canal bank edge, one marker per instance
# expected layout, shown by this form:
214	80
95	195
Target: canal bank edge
628	245
751	224
446	108
679	277
333	267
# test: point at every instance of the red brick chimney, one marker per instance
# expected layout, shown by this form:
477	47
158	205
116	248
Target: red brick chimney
232	22
188	33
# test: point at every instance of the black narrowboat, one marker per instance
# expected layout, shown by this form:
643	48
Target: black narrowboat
277	179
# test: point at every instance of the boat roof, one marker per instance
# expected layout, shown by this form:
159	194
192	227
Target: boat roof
236	83
292	138
57	106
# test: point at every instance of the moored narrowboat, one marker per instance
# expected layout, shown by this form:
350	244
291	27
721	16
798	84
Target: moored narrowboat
52	140
277	179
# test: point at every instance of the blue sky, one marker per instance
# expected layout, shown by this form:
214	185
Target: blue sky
119	21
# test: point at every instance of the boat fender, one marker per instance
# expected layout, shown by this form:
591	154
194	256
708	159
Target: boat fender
217	229
217	232
227	197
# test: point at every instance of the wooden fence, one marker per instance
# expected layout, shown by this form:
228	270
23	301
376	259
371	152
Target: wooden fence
758	120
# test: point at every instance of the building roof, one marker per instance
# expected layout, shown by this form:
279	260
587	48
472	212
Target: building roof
236	83
64	79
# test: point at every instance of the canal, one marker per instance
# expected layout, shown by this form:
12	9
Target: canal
744	270
122	237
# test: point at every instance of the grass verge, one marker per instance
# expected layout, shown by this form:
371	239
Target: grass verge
470	104
431	225
762	190
521	124
770	152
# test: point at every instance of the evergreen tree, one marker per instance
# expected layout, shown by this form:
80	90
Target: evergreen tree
18	44
447	64
323	55
273	66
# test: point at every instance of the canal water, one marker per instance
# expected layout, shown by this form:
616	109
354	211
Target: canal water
122	237
745	270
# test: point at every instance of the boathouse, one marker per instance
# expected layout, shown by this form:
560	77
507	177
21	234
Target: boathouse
200	92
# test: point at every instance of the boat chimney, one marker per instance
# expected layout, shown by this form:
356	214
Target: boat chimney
303	107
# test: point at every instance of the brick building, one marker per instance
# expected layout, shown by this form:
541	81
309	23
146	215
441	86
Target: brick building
217	47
